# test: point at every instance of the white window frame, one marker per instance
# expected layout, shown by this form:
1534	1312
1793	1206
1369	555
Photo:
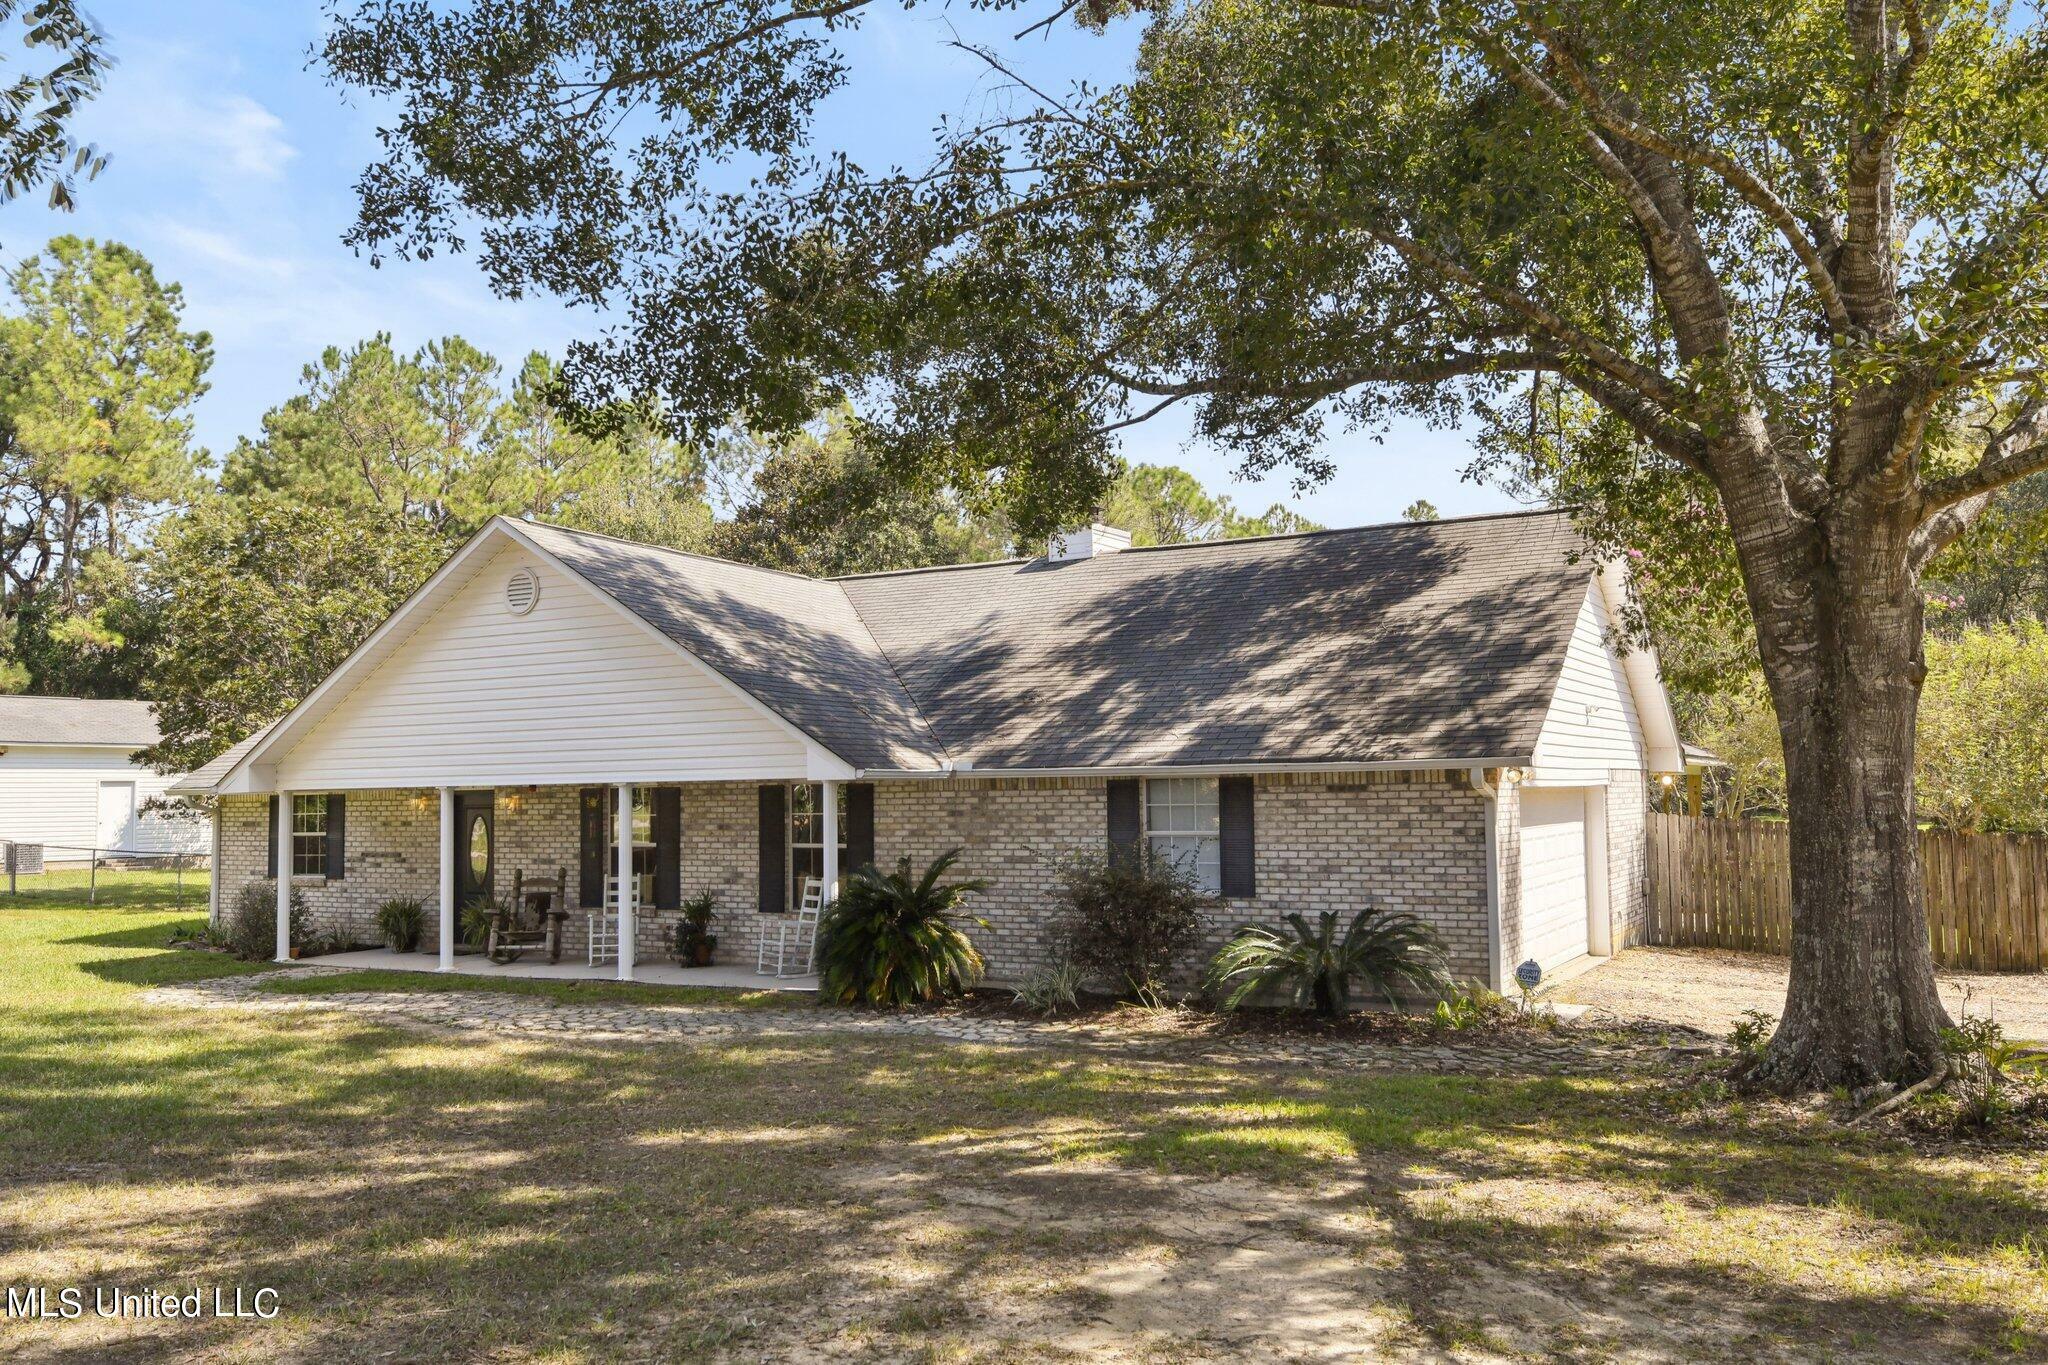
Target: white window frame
813	798
645	852
309	834
1192	824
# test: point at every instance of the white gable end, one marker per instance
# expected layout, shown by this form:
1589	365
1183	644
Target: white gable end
1592	726
483	693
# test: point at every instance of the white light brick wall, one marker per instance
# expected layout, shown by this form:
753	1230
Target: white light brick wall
1012	832
1628	802
390	851
1325	841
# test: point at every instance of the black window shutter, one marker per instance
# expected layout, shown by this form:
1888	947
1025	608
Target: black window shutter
668	848
860	826
1126	815
1238	849
273	838
590	878
774	859
337	836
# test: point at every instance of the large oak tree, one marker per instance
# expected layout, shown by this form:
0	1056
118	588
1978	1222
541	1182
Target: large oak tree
1777	257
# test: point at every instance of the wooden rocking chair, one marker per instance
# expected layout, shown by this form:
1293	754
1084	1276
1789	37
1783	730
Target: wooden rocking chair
532	920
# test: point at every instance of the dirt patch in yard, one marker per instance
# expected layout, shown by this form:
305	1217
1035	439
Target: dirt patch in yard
1708	989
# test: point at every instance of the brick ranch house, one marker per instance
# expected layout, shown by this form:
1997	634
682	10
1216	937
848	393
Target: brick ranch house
1430	716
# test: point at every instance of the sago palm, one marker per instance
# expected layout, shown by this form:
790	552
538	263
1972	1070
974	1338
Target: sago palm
1315	967
894	940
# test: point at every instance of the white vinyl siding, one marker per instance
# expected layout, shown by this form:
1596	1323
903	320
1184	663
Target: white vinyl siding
571	692
1181	820
1592	725
1553	876
50	795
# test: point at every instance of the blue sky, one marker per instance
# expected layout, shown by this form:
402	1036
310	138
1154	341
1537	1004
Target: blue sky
231	165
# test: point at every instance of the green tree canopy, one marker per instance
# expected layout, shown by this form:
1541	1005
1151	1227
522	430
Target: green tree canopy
97	379
1983	755
61	60
1785	264
817	503
256	600
440	437
1166	505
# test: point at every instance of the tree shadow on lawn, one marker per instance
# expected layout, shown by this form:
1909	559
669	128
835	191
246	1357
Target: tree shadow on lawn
436	1195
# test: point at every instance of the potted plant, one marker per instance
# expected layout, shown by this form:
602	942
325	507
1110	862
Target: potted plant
694	940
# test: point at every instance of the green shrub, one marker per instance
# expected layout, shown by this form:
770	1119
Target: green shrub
1315	966
892	940
1131	917
1472	1007
476	920
1050	989
1983	1062
252	922
1752	1033
403	922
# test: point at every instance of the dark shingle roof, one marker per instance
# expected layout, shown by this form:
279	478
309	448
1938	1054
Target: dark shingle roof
208	775
76	720
1414	641
795	643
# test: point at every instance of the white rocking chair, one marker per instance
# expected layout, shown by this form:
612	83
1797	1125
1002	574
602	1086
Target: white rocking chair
604	924
792	949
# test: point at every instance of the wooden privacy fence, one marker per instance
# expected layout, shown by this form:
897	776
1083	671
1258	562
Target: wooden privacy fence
1728	884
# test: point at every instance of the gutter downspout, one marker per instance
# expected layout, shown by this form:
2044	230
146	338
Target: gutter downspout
1488	794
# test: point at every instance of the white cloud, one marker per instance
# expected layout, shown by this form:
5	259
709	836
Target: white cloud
248	136
166	110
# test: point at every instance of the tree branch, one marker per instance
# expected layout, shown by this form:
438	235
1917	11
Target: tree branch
1759	195
1653	386
2019	449
1456	365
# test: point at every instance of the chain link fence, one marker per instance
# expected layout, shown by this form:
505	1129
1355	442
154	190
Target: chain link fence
63	874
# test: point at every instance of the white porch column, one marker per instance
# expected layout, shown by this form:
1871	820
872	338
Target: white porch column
447	891
284	876
831	841
625	879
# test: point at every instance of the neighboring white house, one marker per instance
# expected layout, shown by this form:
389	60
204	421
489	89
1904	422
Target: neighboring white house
68	780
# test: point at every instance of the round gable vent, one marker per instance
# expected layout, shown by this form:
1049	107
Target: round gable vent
522	590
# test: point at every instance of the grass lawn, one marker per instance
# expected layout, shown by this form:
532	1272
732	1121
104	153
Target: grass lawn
111	888
420	1197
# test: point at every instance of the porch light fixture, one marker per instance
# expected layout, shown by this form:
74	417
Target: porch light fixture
513	801
420	802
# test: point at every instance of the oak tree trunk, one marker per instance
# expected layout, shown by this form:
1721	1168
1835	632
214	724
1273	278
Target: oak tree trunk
1845	672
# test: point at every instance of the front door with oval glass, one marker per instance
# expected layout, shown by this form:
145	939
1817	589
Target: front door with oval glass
474	835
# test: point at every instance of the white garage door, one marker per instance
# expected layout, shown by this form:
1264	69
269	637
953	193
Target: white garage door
1553	875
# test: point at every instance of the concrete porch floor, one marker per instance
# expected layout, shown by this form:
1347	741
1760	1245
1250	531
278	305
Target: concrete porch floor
537	967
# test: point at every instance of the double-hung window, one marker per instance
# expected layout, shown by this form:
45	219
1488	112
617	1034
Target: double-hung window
645	855
807	835
1183	825
309	836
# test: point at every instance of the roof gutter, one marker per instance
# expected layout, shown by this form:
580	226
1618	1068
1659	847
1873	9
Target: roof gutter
964	770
